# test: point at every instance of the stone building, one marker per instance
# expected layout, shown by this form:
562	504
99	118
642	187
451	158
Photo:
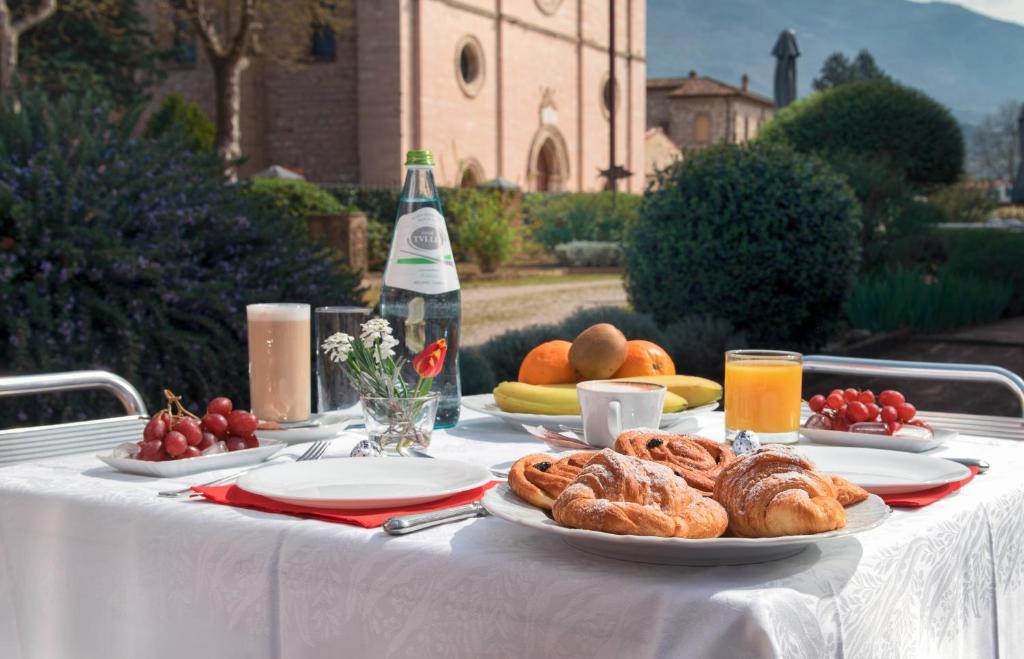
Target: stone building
697	111
516	89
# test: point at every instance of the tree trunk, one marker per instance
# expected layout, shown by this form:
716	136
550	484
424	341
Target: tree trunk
227	80
8	58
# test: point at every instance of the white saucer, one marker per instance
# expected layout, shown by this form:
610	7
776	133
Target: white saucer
501	502
319	426
884	472
348	483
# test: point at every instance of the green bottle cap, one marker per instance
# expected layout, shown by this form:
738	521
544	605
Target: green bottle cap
419	157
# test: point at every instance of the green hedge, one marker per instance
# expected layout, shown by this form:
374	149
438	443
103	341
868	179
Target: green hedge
187	118
880	119
554	219
991	254
293	197
759	234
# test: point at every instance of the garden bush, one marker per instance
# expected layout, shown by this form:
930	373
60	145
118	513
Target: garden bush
994	255
380	204
134	256
696	344
294	198
481	226
554	219
879	119
378	242
760	235
175	113
963	202
589	254
905	299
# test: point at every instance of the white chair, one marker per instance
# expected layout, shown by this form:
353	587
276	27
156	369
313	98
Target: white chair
35	443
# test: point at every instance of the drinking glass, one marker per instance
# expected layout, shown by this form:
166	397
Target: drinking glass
279	361
762	393
400	424
333	390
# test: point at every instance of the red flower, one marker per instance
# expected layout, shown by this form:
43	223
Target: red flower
430	362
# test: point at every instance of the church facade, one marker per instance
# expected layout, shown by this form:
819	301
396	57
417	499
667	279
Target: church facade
516	89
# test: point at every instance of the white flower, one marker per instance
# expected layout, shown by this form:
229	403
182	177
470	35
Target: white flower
384	348
337	346
375	327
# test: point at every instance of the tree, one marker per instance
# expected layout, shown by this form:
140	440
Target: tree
231	33
995	144
103	46
11	29
838	70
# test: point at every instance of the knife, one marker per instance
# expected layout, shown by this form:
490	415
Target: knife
404	524
982	465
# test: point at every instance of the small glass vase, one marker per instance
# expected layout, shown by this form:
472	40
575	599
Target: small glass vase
400	424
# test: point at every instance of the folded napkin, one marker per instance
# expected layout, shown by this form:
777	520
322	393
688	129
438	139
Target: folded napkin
925	497
232	495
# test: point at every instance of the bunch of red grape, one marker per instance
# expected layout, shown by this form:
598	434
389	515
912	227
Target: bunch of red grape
844	407
174	432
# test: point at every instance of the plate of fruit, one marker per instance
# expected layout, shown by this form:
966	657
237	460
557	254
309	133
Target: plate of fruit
544	392
175	442
850	417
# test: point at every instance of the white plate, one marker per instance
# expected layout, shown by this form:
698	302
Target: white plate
502	502
345	483
186	466
884	472
890	443
319	426
485	404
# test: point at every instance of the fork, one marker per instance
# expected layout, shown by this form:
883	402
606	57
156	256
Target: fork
315	450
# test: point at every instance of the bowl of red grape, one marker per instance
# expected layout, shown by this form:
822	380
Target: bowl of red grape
177	442
852	417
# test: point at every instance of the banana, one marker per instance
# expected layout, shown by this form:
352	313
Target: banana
555	399
697	391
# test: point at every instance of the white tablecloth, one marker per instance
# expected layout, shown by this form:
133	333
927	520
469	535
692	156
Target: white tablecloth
93	564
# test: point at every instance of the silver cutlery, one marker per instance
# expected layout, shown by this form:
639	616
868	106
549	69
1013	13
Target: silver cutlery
557	440
419	453
404	524
315	450
982	465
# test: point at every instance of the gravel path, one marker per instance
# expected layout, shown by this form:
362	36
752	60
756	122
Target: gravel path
491	310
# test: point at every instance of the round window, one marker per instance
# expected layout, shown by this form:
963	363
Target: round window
548	6
469	65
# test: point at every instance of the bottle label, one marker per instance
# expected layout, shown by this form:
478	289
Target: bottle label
421	254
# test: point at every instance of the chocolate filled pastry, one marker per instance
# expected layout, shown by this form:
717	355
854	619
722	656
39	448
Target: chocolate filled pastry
621	494
539	478
696	459
773	491
847	493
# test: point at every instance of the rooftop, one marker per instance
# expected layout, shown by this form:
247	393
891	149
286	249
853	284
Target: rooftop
694	86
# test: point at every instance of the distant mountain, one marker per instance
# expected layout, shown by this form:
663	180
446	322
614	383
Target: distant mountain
967	61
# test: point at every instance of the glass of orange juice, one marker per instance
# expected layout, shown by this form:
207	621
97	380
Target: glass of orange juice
762	393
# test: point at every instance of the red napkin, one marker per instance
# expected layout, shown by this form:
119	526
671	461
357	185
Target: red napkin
232	495
925	497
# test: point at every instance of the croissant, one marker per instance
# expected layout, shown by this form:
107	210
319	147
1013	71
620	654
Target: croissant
848	493
625	495
696	459
539	478
773	491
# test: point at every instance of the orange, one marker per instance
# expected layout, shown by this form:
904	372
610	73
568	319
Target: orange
645	358
548	363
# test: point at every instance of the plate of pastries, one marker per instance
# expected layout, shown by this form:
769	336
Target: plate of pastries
656	497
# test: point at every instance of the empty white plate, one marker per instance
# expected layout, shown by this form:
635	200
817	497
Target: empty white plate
889	443
884	472
348	483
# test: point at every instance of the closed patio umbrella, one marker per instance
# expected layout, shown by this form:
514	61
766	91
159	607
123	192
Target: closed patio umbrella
785	51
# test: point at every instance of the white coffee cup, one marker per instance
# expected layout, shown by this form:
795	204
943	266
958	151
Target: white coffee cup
611	406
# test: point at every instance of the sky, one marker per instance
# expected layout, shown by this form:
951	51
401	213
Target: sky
1005	10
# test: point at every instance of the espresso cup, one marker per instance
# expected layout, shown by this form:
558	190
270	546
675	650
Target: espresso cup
610	406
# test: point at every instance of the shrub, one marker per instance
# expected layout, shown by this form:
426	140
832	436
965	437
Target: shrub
293	197
134	256
907	300
879	119
589	254
760	235
992	254
630	323
554	219
378	242
177	114
481	226
380	204
963	202
475	372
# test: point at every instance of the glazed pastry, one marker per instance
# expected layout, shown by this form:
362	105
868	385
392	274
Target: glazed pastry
773	491
539	478
696	459
621	494
847	493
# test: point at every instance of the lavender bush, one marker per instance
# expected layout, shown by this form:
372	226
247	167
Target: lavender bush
134	256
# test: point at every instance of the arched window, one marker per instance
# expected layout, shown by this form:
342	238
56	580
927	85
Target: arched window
702	128
469	65
472	174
